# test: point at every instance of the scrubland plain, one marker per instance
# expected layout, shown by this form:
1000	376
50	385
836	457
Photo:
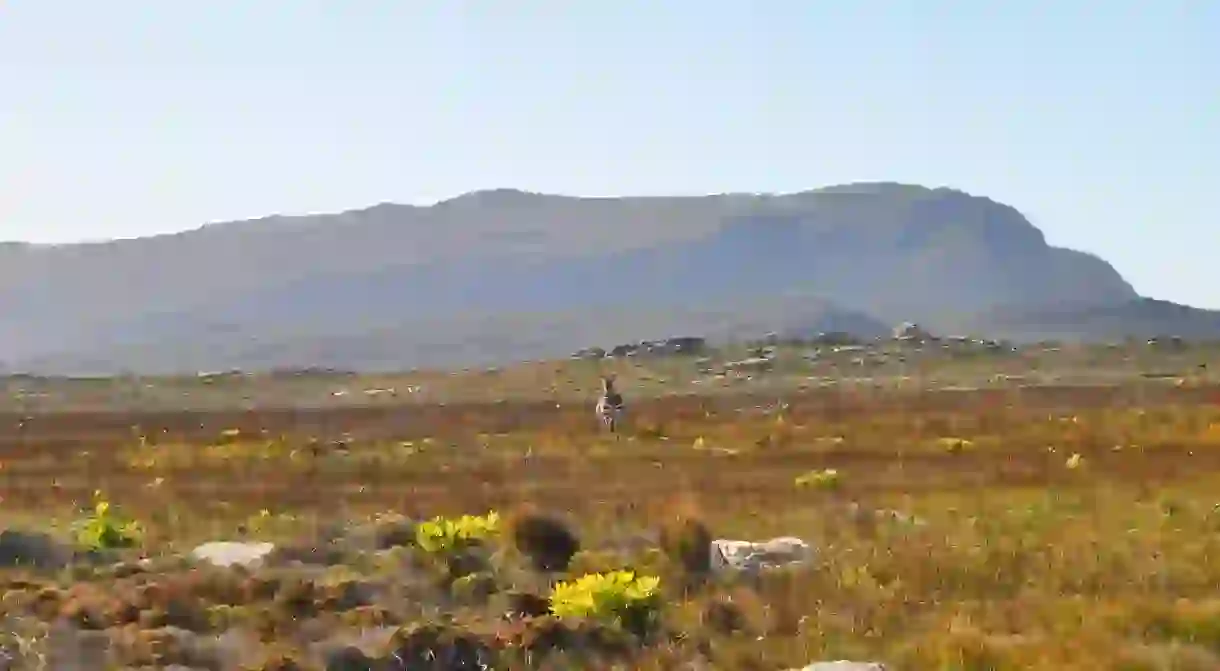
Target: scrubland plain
1004	528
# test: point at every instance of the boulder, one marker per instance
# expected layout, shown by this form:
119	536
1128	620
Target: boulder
736	555
226	553
843	665
910	331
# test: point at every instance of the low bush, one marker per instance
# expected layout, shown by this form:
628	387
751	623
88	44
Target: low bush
104	528
443	535
619	597
547	541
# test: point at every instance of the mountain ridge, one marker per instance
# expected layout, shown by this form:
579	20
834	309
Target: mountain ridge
495	193
869	254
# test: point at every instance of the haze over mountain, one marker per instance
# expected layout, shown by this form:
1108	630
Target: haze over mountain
493	276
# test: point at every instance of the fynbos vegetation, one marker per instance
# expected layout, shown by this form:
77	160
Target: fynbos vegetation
1003	528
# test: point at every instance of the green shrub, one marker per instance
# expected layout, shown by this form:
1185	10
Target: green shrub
443	535
474	588
619	597
105	529
825	479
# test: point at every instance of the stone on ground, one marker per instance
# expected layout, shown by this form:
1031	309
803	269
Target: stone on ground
228	553
736	555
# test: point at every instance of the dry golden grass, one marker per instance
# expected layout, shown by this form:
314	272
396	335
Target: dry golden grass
1069	528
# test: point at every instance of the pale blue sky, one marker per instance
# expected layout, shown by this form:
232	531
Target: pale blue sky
1099	120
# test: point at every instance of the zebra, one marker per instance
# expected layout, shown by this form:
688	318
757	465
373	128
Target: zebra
609	405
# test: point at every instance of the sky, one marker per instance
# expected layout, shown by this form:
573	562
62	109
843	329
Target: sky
1100	121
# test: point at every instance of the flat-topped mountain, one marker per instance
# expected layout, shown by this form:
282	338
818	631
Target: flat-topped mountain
497	275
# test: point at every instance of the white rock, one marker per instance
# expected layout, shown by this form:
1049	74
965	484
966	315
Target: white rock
843	665
733	555
226	553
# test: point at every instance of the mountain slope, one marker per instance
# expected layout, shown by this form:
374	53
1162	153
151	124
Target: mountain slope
504	274
473	339
1138	318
